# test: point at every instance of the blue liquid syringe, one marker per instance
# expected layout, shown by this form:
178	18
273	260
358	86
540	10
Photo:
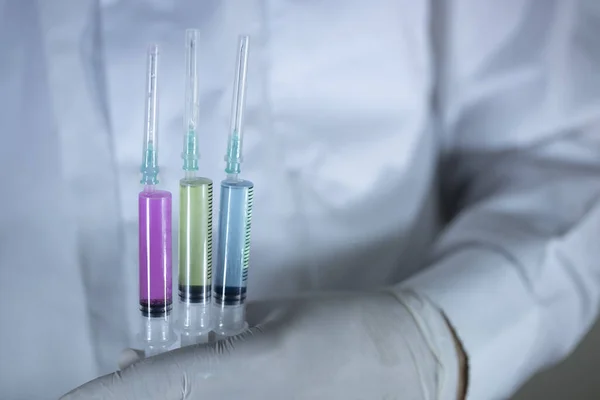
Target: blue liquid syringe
235	217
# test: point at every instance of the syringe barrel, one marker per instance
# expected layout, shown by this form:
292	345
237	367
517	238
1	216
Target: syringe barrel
155	268
195	258
231	274
195	239
235	218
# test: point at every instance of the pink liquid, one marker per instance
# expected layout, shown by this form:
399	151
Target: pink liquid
155	252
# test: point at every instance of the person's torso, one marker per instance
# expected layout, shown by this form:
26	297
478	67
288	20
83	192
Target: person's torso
337	141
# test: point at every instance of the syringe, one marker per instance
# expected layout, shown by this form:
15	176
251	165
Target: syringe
195	217
235	215
154	207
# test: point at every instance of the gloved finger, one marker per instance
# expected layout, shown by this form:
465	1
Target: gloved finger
206	370
130	356
169	376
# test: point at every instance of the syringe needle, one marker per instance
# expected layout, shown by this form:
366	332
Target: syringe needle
149	166
192	106
234	147
191	76
239	97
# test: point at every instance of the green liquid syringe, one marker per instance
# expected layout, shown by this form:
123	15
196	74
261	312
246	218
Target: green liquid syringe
195	217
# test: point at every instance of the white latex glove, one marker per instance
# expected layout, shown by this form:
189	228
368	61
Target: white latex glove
381	345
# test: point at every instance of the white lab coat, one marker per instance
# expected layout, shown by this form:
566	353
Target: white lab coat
358	113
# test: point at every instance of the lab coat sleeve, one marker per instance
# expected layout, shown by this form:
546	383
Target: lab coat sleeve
517	269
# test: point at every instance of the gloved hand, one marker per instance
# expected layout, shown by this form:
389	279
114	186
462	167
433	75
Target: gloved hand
383	345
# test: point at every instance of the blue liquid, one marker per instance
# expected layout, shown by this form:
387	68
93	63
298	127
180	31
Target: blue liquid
233	254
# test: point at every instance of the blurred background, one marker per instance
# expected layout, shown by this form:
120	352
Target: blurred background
576	378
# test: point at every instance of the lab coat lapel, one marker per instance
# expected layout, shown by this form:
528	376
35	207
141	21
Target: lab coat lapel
75	75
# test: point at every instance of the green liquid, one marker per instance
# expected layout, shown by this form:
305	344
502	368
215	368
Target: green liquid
195	232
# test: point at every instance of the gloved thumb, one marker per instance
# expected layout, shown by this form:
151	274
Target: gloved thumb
130	356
